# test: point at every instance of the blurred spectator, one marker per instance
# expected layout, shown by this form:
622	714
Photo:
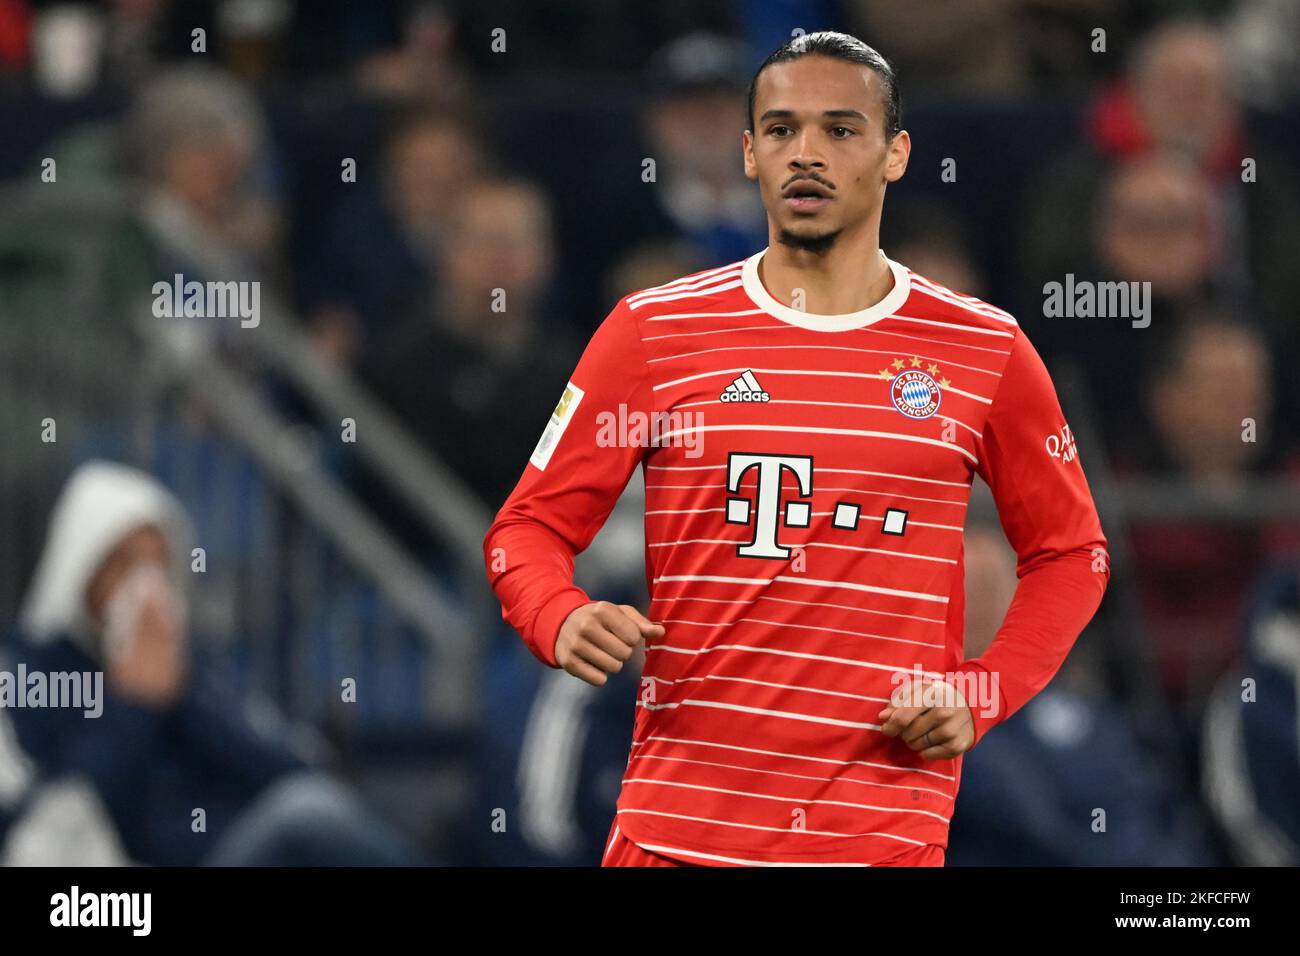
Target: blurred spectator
107	597
1210	404
693	128
1156	224
695	192
1175	99
1031	789
194	138
475	375
1251	750
379	258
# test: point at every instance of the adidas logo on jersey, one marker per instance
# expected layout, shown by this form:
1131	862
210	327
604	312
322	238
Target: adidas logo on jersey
745	389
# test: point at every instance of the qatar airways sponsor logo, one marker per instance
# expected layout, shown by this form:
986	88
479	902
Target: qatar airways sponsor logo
1061	445
976	689
626	428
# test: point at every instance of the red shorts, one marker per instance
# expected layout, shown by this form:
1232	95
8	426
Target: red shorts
620	851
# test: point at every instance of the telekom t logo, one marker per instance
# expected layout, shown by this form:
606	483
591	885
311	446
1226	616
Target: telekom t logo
767	507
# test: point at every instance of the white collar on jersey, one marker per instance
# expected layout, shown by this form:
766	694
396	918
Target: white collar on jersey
826	323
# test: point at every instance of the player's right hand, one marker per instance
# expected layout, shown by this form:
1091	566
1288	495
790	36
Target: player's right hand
596	639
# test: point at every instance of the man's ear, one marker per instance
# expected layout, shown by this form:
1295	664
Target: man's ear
747	149
900	150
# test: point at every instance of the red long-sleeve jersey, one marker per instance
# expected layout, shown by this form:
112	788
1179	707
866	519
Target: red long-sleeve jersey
806	479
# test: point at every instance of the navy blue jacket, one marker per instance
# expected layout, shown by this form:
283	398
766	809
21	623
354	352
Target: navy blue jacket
152	767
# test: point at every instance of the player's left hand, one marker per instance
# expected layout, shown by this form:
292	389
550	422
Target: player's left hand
934	707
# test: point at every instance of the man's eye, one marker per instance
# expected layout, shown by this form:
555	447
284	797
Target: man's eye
778	130
837	130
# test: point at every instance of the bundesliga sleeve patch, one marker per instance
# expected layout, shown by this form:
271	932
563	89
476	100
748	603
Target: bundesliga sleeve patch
560	419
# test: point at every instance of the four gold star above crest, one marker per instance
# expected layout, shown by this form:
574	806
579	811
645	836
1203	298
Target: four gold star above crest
916	362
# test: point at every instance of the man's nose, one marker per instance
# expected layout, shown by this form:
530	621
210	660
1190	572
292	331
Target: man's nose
807	157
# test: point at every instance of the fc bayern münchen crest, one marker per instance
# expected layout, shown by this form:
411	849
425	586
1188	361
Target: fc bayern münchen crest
915	393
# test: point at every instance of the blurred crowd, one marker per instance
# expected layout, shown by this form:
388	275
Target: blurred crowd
450	196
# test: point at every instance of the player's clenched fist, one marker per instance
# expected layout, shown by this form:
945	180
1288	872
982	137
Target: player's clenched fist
598	638
931	716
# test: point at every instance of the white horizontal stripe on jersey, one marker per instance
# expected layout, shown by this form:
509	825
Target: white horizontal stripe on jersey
910	521
780	799
833	348
730	373
842	471
969	303
811	514
797	776
679	335
802	627
809	544
908	346
767	683
712	277
809	429
755	826
851	585
802	655
979	398
777	753
719	858
687	281
712	402
860	491
961	298
668	599
716	578
952	325
673	316
913	337
892	554
689	294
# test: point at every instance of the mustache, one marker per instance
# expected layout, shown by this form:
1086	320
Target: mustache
815	177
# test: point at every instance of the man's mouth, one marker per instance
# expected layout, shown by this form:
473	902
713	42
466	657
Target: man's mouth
806	195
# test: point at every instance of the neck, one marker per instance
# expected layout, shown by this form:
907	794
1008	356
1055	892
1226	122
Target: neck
834	282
